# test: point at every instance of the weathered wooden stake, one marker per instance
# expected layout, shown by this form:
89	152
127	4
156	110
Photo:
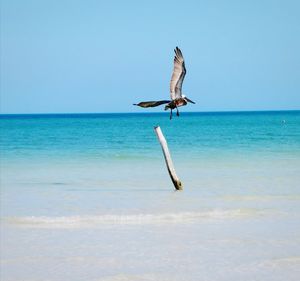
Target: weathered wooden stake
176	181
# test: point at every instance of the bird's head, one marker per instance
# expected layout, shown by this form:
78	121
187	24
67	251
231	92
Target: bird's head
167	107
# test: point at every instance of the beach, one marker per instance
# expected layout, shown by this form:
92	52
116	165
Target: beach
88	197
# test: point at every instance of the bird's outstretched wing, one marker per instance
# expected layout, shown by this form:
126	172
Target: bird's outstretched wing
151	103
179	72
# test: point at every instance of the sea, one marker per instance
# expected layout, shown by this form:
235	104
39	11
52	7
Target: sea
89	197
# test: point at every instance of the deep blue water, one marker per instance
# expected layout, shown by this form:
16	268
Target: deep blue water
131	135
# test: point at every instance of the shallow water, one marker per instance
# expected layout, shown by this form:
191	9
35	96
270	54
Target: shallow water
88	197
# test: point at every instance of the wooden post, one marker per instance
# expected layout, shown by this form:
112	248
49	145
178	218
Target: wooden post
176	181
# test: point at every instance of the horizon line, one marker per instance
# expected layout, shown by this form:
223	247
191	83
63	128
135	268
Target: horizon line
150	112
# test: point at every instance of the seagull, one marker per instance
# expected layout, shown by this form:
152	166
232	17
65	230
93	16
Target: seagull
177	97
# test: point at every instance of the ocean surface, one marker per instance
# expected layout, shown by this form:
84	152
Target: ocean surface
88	197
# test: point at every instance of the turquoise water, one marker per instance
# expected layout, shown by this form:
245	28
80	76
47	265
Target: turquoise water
88	197
131	135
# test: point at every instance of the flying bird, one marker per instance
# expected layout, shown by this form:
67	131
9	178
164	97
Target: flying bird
177	97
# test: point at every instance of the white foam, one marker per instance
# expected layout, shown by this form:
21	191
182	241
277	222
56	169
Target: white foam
131	219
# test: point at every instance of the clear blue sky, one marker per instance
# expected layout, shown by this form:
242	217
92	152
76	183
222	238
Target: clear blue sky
101	56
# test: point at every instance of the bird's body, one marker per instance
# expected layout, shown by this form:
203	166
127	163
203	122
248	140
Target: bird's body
175	103
177	98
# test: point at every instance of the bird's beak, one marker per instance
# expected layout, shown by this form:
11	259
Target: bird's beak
189	100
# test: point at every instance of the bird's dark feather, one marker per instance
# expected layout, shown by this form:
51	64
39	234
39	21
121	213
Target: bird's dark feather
151	103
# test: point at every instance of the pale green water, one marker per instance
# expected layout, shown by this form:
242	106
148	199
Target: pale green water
88	197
